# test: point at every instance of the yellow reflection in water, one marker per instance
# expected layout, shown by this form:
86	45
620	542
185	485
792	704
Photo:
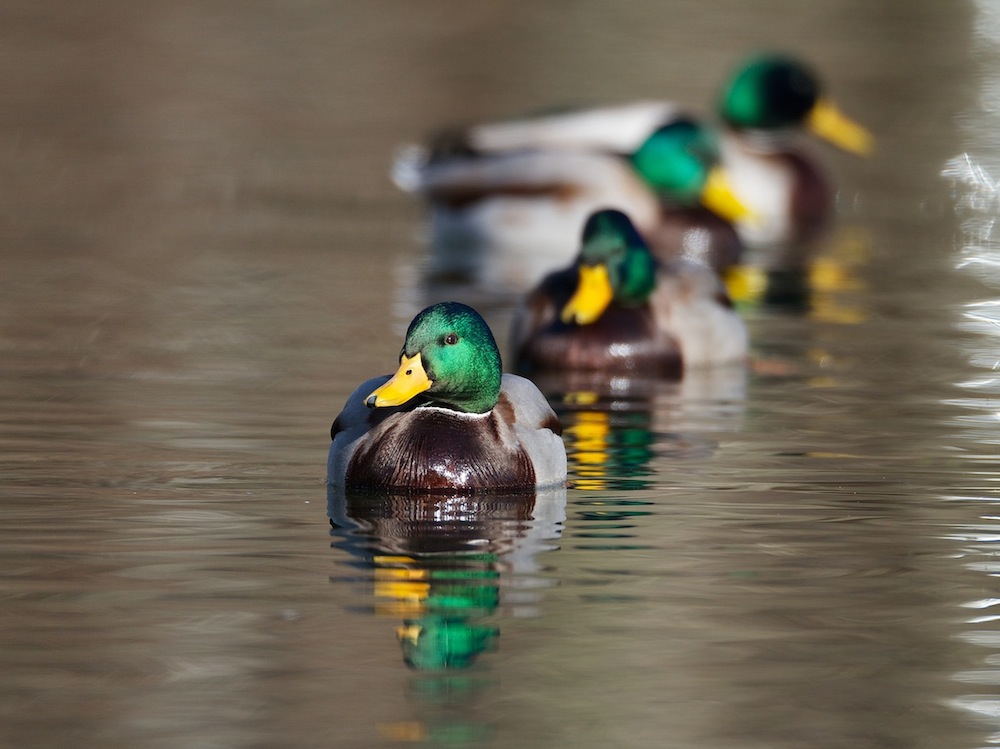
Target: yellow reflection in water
835	274
746	284
409	731
826	281
587	444
401	590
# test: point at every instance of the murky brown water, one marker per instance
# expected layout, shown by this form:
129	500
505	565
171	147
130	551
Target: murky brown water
203	255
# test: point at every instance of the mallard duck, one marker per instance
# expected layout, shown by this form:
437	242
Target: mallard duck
617	309
505	213
447	419
766	100
761	107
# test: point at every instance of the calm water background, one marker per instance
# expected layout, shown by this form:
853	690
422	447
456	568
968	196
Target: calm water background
203	255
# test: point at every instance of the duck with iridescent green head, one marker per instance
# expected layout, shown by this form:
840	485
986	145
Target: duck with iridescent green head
508	215
762	107
618	310
766	103
448	420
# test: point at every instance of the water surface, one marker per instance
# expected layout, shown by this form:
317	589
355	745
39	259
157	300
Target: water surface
204	255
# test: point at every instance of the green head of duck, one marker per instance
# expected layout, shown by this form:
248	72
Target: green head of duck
615	265
775	92
450	358
680	161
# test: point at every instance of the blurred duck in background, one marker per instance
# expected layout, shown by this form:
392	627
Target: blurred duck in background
618	310
762	107
521	185
507	200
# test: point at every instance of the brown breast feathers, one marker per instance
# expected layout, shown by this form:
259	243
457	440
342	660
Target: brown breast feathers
432	450
623	341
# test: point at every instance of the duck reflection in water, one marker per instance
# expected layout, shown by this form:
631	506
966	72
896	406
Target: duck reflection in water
441	562
615	426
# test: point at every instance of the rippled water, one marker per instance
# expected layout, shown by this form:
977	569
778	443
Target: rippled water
203	255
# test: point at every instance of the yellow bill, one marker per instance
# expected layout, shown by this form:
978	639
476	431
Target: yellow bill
828	122
593	295
718	197
410	380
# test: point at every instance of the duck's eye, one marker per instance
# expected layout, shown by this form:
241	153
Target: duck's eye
451	339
